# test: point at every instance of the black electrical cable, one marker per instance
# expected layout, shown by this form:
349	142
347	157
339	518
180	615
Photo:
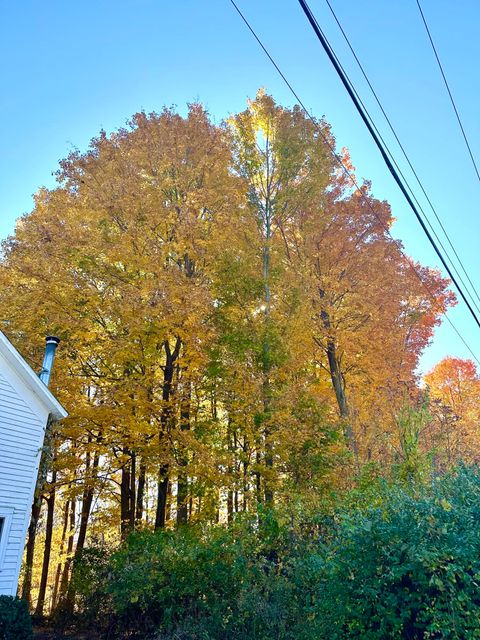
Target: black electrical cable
437	217
396	177
449	91
349	174
410	190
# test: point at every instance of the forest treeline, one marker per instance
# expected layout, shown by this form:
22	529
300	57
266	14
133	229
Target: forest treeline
239	331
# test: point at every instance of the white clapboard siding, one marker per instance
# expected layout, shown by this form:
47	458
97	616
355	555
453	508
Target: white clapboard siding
25	404
21	438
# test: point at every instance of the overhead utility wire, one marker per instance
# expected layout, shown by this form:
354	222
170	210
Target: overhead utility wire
412	194
449	91
396	177
437	217
349	174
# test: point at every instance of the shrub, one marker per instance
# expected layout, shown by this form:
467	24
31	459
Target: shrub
15	621
408	569
201	583
89	578
405	564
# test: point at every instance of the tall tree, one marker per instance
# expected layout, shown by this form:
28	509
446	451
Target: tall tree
235	318
285	166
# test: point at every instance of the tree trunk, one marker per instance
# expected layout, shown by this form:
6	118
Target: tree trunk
182	500
47	548
165	418
232	468
133	491
339	388
30	549
182	481
62	594
266	384
87	500
162	495
140	492
229	505
35	513
125	501
338	381
58	572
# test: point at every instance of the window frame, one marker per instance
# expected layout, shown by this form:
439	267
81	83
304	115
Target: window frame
6	513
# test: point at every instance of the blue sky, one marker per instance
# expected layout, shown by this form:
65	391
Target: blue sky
71	68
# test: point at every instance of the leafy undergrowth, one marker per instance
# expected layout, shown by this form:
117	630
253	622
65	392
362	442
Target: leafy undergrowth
401	563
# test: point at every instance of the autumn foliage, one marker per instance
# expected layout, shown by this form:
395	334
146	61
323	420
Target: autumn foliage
454	388
238	328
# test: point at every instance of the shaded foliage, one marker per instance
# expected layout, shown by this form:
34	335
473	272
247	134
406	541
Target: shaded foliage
15	622
404	565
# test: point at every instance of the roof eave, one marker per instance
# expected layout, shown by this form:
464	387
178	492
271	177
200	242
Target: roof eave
30	378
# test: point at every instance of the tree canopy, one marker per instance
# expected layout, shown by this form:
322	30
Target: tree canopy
239	328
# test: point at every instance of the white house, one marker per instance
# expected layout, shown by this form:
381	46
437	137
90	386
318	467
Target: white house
25	407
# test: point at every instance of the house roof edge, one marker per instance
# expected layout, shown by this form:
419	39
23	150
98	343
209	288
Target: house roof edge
30	378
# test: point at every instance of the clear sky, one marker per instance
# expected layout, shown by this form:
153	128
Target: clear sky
70	68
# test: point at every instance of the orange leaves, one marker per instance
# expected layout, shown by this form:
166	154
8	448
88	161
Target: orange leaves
242	250
454	388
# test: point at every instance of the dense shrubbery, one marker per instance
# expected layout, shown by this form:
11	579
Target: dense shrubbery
409	568
405	566
198	582
15	622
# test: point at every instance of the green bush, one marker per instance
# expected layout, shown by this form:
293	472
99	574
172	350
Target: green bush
405	564
407	569
89	578
206	583
198	582
15	621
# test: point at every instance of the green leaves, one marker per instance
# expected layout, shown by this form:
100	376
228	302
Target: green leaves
15	622
404	567
407	569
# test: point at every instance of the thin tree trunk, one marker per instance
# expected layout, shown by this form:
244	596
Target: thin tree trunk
165	418
258	475
125	501
35	514
30	549
266	384
182	481
338	381
162	495
231	466
266	390
140	492
340	395
169	505
87	501
133	492
58	572
62	594
246	488
47	548
182	500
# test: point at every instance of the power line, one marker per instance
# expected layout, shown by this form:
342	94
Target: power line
350	175
448	90
393	161
346	83
437	217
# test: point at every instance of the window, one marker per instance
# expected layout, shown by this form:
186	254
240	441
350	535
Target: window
5	520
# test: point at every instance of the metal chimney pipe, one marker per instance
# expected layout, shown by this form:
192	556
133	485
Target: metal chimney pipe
50	348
